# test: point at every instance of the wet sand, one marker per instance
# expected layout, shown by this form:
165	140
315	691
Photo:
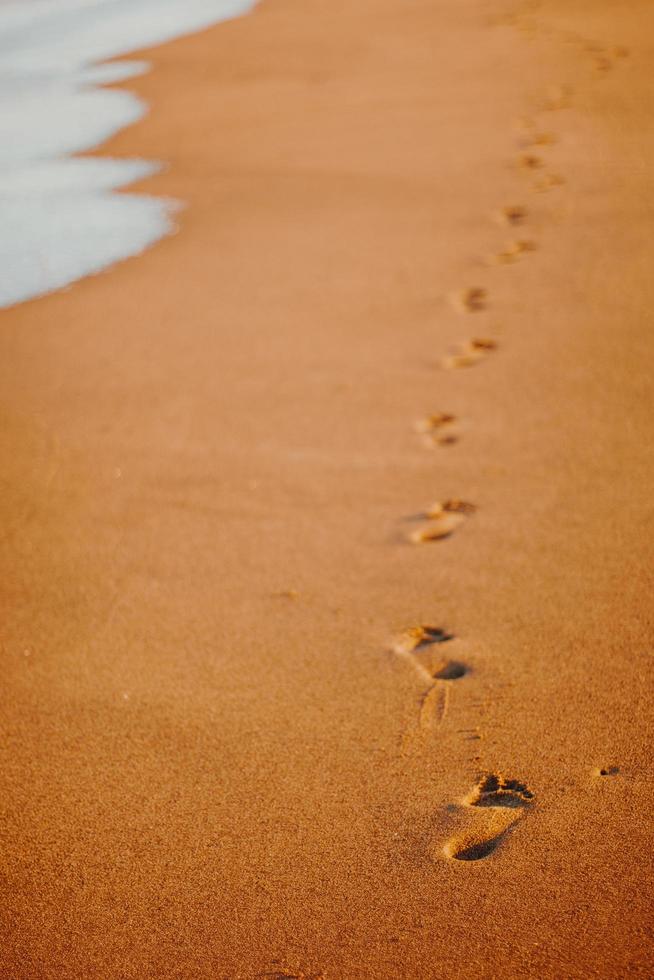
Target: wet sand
267	710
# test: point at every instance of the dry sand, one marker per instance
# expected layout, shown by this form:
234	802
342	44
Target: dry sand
222	756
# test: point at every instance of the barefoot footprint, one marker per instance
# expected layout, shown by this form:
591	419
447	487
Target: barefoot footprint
514	250
603	58
504	802
529	161
512	214
470	300
444	518
439	429
414	645
419	646
469	353
548	182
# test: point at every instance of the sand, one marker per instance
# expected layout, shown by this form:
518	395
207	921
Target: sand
255	722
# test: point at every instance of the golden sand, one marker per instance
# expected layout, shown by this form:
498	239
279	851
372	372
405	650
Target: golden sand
210	473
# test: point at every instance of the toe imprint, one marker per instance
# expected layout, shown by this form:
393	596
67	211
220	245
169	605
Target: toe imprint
453	506
495	790
420	646
420	638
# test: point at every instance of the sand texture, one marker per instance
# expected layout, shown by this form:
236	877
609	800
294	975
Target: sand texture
327	566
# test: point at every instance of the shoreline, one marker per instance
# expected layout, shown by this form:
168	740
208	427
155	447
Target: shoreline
216	458
59	104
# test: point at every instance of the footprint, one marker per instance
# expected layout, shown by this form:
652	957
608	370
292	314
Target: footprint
603	59
514	250
529	161
470	353
512	214
439	429
444	518
470	300
504	802
603	63
548	182
452	506
420	638
600	56
420	646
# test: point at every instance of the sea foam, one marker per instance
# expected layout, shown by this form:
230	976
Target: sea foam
60	219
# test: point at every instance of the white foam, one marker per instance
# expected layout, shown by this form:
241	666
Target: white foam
59	217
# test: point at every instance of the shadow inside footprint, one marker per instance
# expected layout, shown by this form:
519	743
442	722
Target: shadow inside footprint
426	635
451	671
420	647
475	851
529	161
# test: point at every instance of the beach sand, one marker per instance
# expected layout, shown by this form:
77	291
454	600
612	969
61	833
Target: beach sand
234	742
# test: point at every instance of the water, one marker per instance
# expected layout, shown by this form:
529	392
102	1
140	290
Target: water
60	219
